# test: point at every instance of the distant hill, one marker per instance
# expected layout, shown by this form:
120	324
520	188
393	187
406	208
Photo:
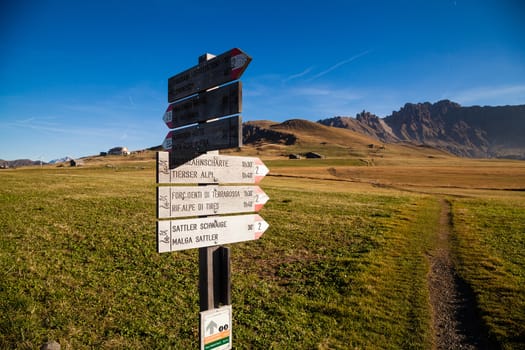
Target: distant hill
481	132
4	164
300	137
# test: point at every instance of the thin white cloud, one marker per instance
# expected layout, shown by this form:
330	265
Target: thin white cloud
310	101
57	128
339	64
298	75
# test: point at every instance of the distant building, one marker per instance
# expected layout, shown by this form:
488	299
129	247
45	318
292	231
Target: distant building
76	162
311	155
119	151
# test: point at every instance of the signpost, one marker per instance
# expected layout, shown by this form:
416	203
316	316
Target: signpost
216	328
197	213
185	201
185	234
219	70
211	169
220	102
187	143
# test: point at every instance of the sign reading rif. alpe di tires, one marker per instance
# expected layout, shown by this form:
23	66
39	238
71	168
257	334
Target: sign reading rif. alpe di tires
186	201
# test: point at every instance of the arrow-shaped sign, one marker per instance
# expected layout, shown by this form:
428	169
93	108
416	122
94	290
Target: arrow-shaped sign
208	169
173	235
226	100
187	143
184	201
219	70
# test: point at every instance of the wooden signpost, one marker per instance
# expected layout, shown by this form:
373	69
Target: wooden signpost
226	100
187	143
197	213
185	201
210	169
219	70
185	234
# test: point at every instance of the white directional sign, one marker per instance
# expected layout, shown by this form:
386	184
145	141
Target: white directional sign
209	169
181	201
173	235
216	328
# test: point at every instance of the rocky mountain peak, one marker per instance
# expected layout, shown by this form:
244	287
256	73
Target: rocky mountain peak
464	131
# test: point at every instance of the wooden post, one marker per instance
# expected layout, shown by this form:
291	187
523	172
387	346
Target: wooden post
206	280
214	265
222	277
214	277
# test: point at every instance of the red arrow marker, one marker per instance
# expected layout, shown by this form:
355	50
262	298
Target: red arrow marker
214	72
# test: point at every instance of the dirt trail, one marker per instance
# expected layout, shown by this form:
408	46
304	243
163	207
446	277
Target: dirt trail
455	317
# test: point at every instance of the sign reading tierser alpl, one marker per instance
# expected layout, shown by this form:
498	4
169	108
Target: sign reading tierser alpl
211	169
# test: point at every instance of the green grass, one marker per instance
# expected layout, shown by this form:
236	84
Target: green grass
340	267
336	271
490	248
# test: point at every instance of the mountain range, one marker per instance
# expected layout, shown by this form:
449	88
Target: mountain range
480	132
446	126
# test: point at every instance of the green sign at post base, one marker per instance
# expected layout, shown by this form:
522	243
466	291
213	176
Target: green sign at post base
216	328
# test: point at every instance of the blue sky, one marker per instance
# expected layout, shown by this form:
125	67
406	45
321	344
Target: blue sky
80	77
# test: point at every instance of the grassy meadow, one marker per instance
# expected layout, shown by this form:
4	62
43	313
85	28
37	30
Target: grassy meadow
344	264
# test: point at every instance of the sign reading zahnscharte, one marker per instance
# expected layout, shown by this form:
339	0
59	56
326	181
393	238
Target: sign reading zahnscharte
182	234
210	169
219	70
217	103
184	201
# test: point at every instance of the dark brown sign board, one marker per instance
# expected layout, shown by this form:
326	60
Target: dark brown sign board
187	143
220	102
219	70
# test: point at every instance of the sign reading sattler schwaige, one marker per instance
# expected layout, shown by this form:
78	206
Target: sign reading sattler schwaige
185	201
173	235
208	169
